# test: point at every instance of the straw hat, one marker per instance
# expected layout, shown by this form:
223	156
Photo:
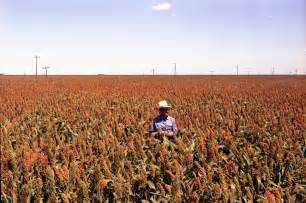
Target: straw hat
163	104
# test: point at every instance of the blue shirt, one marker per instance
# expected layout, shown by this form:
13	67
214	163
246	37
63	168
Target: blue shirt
167	124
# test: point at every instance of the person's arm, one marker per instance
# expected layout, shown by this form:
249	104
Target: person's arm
156	131
174	129
152	129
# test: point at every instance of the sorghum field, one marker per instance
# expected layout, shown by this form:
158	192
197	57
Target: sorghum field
84	139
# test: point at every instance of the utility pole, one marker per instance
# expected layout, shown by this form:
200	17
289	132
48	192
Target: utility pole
273	70
46	69
296	71
174	68
237	69
36	58
153	71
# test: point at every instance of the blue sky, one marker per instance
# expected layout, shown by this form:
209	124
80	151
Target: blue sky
132	37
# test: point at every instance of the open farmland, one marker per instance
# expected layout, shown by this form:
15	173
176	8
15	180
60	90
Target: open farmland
84	138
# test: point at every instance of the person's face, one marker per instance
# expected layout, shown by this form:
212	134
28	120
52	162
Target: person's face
163	111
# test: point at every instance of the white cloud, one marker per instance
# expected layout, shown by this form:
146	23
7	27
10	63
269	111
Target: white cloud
165	6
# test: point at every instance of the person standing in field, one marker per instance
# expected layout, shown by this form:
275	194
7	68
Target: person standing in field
163	124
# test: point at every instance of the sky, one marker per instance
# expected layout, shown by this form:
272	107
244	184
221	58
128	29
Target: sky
134	37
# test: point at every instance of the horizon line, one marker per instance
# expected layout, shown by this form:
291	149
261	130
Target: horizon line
156	75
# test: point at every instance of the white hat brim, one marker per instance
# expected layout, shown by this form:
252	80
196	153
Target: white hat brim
164	107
